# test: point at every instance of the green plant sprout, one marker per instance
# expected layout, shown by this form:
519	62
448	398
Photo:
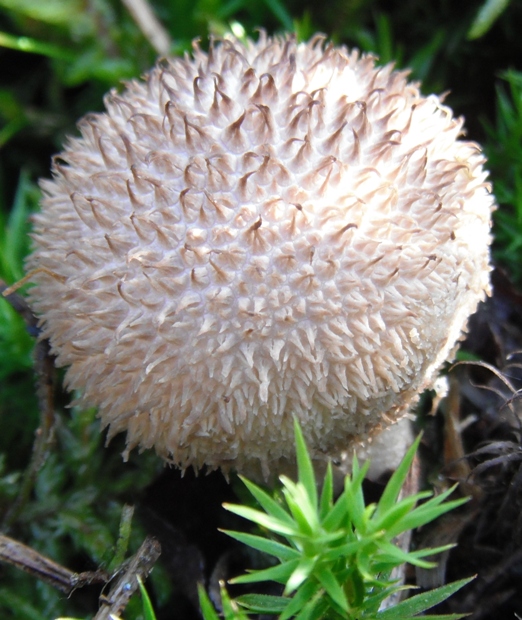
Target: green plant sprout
504	151
335	558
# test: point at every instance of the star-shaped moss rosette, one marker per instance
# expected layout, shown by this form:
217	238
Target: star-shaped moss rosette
335	558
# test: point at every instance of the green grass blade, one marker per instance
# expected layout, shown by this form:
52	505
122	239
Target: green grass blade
326	500
265	545
230	609
421	602
262	603
301	573
303	512
280	11
393	488
207	609
306	593
148	610
306	474
426	513
489	12
337	515
398	511
354	497
332	587
264	520
267	503
27	44
280	573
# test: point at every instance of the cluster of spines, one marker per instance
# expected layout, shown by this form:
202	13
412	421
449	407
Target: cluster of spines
184	224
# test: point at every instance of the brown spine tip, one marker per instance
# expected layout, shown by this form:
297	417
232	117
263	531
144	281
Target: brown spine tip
256	225
266	90
234	136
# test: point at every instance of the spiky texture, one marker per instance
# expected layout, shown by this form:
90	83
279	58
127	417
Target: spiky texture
267	230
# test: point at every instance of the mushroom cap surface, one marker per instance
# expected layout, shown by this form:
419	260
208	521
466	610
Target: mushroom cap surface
267	230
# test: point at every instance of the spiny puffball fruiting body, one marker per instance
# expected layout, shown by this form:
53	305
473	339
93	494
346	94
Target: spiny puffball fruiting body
265	230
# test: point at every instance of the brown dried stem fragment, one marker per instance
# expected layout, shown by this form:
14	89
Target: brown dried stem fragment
138	567
27	559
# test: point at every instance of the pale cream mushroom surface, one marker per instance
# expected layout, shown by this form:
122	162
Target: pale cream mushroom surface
265	230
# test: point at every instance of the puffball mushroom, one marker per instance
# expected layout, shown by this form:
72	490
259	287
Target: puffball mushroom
267	230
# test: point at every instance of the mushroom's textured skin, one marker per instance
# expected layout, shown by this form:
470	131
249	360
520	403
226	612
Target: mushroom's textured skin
267	230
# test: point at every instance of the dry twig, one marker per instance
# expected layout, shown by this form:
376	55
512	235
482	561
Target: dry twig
112	604
138	566
27	559
150	26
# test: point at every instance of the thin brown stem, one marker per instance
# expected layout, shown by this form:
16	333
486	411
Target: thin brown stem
27	559
137	567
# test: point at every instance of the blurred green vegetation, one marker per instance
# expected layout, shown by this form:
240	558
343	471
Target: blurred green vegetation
504	152
58	58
